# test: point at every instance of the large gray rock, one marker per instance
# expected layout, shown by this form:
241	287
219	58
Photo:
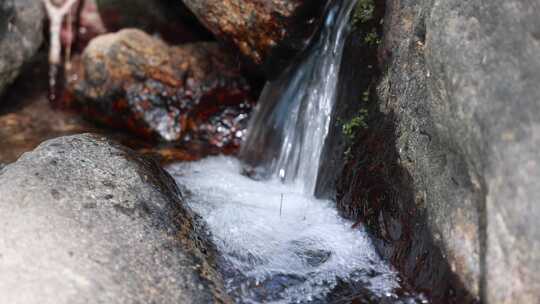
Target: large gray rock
21	28
453	142
487	100
83	220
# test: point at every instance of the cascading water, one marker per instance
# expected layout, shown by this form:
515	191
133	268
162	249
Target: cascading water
293	115
277	242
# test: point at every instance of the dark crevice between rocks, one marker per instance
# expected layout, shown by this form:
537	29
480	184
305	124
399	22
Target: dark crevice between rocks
373	187
358	78
30	82
482	239
377	192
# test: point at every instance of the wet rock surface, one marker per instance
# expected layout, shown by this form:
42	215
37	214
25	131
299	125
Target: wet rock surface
20	36
268	33
448	159
134	81
27	119
86	220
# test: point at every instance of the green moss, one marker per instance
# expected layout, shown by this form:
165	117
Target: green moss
372	38
363	12
356	123
365	96
365	23
367	28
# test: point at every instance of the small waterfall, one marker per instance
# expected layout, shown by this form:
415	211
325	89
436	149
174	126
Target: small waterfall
291	122
277	243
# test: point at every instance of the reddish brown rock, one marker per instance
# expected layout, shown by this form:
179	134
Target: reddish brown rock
132	80
268	32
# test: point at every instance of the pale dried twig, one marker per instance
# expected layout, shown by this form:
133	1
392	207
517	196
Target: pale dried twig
69	41
56	16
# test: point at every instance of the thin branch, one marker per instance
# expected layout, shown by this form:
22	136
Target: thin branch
56	16
69	41
60	10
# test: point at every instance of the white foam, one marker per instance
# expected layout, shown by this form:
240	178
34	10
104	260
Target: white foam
259	239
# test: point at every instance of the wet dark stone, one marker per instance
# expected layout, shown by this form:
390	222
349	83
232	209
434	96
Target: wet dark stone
310	254
247	290
223	125
359	293
315	258
21	35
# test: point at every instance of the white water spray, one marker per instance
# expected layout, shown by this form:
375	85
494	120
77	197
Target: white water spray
293	252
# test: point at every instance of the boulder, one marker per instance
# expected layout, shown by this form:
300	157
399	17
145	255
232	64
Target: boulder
20	36
132	80
485	96
449	158
268	33
85	220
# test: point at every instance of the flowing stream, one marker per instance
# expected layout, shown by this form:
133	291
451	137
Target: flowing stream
288	130
277	242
